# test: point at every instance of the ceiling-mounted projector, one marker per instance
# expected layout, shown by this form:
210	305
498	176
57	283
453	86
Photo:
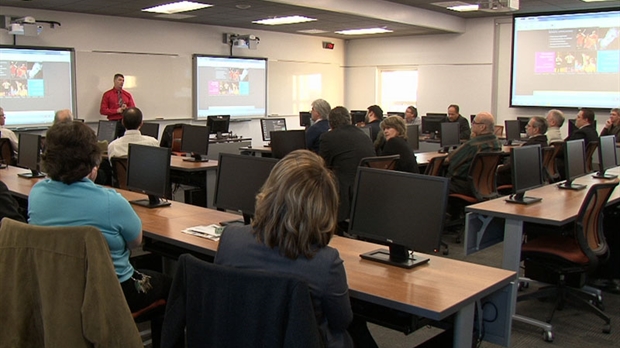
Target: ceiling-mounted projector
498	5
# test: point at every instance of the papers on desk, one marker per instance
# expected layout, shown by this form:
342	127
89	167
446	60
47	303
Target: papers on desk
212	232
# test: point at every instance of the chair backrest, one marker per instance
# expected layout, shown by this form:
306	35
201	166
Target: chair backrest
435	166
498	131
590	149
172	135
589	223
119	172
177	139
549	166
7	155
60	289
482	175
220	306
380	162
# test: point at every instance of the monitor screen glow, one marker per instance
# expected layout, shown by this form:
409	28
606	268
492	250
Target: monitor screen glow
268	125
106	130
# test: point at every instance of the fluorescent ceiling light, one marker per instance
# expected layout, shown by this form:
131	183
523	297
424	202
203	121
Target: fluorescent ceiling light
312	31
176	7
364	31
284	20
597	0
463	8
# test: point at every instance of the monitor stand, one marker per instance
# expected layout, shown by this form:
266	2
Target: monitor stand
32	175
444	149
569	185
219	136
247	219
397	256
196	157
151	202
520	198
602	175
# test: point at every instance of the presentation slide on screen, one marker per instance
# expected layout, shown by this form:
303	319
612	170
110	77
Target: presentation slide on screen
231	86
568	60
34	83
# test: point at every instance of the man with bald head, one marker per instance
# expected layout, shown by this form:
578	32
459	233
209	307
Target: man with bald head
555	120
64	115
482	140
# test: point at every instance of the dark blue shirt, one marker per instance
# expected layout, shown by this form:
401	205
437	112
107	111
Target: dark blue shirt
313	135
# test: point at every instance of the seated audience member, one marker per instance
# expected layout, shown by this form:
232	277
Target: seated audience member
555	120
586	130
535	129
69	197
320	111
132	121
342	148
395	132
455	116
64	115
287	238
612	125
8	205
411	116
374	116
7	133
459	161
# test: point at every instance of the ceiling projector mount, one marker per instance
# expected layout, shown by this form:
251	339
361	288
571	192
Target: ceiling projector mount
498	5
241	41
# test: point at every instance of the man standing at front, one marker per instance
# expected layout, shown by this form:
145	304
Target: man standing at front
115	101
455	116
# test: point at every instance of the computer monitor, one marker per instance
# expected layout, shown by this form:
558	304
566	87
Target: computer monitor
218	124
150	129
268	125
513	131
305	119
572	126
523	121
195	141
574	163
413	136
106	130
471	118
527	173
432	125
148	171
29	155
282	143
437	114
450	136
376	214
239	178
606	156
358	116
366	130
396	113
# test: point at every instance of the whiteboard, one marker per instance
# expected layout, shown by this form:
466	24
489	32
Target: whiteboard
294	85
161	85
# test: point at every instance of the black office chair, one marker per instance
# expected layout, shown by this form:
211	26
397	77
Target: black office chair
380	162
7	155
119	172
566	260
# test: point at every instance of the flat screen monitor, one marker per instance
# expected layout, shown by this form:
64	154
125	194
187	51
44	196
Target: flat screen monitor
471	118
29	154
268	125
572	126
218	124
358	116
305	119
235	86
606	156
195	141
150	129
527	173
574	163
413	136
106	131
567	59
513	131
148	171
378	194
396	113
523	121
450	136
437	114
366	131
239	178
282	143
36	82
432	125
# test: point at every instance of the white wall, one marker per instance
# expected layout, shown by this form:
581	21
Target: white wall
86	33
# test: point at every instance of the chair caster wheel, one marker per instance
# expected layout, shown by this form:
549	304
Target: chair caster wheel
607	329
548	336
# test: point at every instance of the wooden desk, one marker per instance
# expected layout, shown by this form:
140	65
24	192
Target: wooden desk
491	222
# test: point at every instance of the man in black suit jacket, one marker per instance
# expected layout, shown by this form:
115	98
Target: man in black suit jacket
342	148
586	131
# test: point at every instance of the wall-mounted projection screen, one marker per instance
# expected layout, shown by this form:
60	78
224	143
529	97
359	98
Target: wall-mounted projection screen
35	82
229	86
566	60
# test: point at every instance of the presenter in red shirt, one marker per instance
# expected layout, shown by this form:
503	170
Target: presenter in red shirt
115	101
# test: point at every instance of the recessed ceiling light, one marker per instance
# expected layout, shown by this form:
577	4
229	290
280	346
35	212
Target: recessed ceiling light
284	20
364	31
463	8
312	31
176	7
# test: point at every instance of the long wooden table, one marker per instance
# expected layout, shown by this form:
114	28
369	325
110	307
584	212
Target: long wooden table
438	290
491	222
